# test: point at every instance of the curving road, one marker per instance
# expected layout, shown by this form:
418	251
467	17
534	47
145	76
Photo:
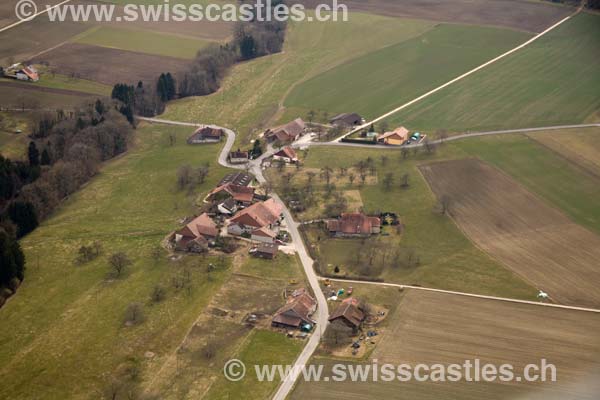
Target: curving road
322	313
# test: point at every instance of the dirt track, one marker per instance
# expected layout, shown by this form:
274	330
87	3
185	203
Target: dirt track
536	241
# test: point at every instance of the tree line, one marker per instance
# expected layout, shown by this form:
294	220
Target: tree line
204	74
65	152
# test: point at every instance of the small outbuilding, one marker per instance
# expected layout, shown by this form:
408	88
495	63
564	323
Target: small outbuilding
347	120
265	250
206	134
287	155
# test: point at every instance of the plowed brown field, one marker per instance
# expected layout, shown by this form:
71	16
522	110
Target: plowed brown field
533	239
434	328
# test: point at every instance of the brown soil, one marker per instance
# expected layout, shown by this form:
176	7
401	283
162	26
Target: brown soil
109	66
533	239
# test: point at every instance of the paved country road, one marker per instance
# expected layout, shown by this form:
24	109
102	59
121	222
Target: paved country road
453	138
322	314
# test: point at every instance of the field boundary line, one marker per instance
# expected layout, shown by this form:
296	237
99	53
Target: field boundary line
458	78
478	296
15	24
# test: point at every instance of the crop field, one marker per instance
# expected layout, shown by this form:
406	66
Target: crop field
439	328
536	241
580	146
19	95
109	66
387	78
447	259
557	180
149	42
553	81
515	14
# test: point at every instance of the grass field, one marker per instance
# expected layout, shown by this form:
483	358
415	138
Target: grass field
434	328
554	81
561	183
384	79
12	144
66	322
580	146
512	225
252	93
143	41
447	258
255	287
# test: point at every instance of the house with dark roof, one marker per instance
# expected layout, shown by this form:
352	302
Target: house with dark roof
297	311
353	225
238	157
286	133
265	250
196	235
287	155
206	134
346	120
347	314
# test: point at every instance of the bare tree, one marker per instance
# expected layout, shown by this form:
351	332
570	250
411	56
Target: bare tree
404	151
351	178
404	181
388	180
119	261
184	176
158	294
134	314
445	204
326	174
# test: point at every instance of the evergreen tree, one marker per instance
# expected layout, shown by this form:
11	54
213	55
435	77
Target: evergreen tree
33	154
248	47
12	260
171	86
45	159
24	216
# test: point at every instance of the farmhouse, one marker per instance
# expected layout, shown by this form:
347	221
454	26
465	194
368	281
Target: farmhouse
238	157
396	137
258	215
348	314
265	250
264	235
287	155
297	311
206	134
346	120
237	178
286	133
353	225
196	235
242	195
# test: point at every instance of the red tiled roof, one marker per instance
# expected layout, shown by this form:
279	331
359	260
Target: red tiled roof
288	152
259	214
243	194
288	131
200	226
353	223
348	312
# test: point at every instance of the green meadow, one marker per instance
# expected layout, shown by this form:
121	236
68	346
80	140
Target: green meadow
553	81
384	79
